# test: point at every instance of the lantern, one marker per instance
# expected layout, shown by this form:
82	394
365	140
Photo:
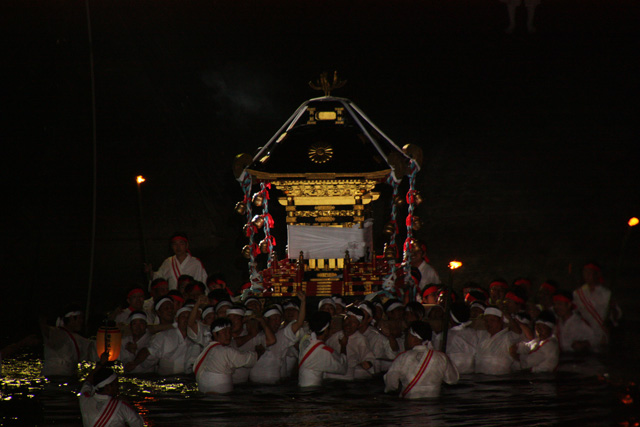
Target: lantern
399	201
109	338
258	221
389	251
417	198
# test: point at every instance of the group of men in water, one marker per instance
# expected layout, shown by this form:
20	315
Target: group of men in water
187	326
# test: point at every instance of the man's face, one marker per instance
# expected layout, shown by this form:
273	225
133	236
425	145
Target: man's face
290	314
138	327
562	308
350	325
497	293
223	336
209	318
166	312
75	323
183	319
591	276
160	290
395	314
179	247
543	331
416	257
274	322
236	322
136	301
494	323
329	309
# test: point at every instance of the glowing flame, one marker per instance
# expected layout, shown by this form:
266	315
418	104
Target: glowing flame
633	221
455	264
140	179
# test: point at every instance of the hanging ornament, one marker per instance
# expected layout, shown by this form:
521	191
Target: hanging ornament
417	223
417	198
264	246
399	201
247	250
389	228
257	199
258	221
240	208
389	251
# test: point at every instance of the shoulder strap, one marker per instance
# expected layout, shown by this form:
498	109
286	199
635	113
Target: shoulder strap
106	413
423	367
195	370
73	340
308	353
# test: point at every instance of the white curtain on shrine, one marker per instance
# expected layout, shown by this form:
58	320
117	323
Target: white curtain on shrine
330	242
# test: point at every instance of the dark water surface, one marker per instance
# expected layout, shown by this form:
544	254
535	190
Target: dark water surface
592	391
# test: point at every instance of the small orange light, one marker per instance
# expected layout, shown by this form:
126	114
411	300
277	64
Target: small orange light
633	221
455	264
140	179
627	400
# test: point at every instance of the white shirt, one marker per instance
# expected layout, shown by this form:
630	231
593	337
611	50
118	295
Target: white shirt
492	353
95	406
540	356
575	328
269	368
593	306
462	341
64	349
358	351
149	365
174	352
316	359
429	275
171	269
241	375
419	373
216	364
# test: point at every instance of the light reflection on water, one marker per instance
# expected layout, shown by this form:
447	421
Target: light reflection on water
580	393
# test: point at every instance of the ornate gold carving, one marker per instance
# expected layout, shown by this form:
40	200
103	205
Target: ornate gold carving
325	219
320	152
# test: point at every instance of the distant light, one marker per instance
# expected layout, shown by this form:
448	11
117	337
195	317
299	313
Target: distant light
633	221
455	264
140	179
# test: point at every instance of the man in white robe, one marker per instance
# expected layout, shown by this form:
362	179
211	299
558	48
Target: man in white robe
99	403
64	347
359	356
573	332
317	358
138	339
214	367
542	353
420	370
181	263
492	353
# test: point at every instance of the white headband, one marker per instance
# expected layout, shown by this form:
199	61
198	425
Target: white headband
162	301
72	313
545	322
523	319
183	309
206	311
224	303
338	300
324	328
415	334
291	305
135	316
271	312
107	381
493	311
247	313
238	311
454	318
327	301
220	327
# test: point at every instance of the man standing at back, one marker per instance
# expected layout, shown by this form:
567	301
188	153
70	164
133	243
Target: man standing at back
181	263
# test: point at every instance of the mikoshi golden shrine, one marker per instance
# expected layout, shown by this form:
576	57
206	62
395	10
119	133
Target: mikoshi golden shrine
326	160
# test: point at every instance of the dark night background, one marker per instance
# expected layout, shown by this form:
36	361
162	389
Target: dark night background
529	140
